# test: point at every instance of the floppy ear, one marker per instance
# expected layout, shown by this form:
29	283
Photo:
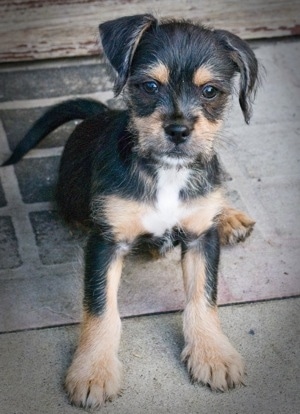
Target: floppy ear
246	63
120	38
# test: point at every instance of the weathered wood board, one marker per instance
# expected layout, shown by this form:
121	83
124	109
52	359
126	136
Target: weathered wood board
43	29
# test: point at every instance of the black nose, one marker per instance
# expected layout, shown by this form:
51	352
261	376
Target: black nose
177	133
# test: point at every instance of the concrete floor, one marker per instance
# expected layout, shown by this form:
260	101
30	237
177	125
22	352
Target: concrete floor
33	363
41	283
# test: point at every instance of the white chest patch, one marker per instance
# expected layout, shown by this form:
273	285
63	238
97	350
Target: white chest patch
168	209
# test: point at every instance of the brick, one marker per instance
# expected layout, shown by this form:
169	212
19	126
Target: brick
37	178
56	243
2	197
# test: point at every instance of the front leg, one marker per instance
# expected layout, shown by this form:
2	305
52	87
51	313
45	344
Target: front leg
210	357
234	226
95	373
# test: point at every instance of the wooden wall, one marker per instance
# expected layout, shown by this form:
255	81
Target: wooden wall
42	29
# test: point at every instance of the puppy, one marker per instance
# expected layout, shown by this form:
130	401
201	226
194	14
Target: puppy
151	173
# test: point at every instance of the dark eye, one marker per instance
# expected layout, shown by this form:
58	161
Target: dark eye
209	92
150	87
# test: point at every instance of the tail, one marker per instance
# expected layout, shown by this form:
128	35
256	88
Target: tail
52	119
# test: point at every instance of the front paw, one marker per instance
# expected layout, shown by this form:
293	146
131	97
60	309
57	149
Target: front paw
234	226
218	365
90	383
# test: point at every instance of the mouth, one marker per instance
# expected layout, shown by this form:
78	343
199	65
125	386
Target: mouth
174	157
176	152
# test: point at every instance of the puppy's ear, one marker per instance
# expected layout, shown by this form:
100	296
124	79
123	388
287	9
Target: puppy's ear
120	38
246	63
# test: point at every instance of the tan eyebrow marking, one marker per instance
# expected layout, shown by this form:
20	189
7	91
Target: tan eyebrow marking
159	72
202	76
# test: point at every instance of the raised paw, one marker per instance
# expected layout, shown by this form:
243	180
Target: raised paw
89	384
219	366
234	226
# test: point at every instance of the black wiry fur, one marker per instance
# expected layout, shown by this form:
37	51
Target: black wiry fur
172	120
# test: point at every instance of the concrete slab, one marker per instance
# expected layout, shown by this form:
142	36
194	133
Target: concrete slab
267	334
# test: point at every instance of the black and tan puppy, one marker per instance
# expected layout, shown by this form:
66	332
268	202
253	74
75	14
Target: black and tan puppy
151	171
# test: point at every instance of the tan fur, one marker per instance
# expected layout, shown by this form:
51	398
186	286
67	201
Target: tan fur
234	226
149	127
95	373
201	213
159	72
193	276
207	128
125	217
205	133
202	76
210	357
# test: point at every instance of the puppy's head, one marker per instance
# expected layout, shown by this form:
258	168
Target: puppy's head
177	77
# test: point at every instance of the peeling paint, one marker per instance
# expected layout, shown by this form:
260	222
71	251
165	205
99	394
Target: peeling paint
293	30
48	29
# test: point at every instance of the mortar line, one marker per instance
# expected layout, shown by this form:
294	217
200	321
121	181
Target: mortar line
44	152
3	139
24	232
20	217
32	207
